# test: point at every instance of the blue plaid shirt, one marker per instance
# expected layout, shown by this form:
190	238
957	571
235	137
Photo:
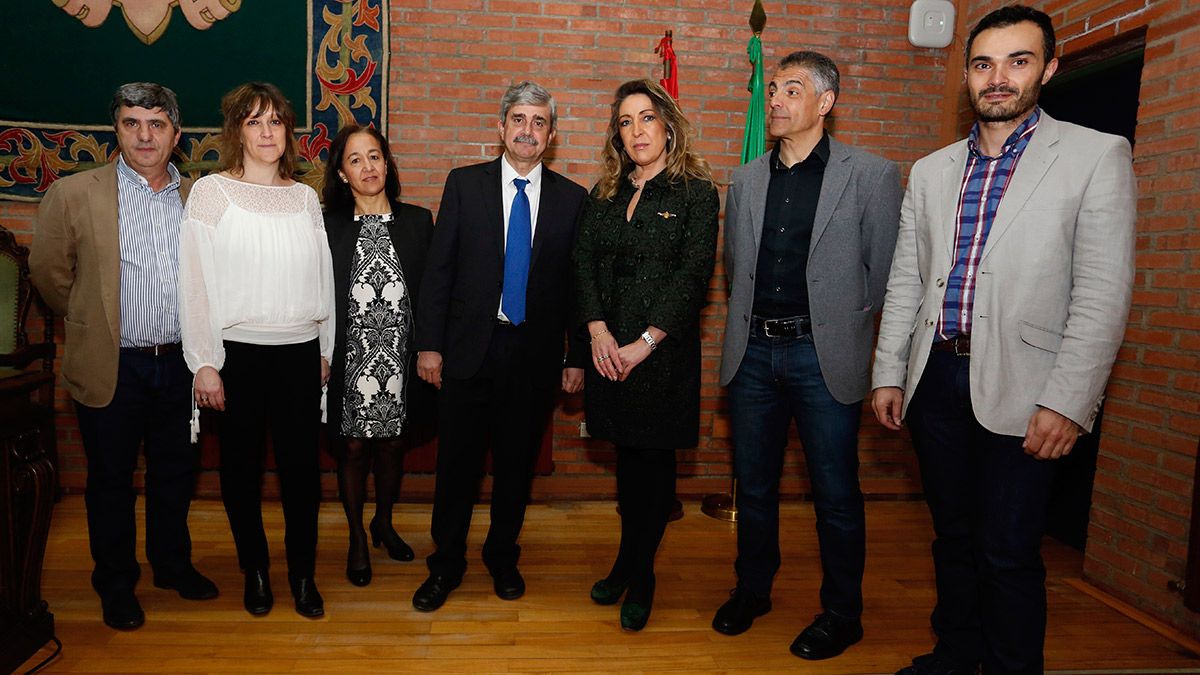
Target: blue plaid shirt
984	182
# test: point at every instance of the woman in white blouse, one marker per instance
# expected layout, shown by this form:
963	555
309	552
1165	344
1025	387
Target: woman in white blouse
257	303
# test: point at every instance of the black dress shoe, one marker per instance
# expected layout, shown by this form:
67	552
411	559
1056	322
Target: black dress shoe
936	664
309	602
397	548
257	597
739	612
508	583
190	584
608	592
433	593
122	610
826	637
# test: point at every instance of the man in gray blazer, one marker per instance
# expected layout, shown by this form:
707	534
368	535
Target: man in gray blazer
1006	305
809	233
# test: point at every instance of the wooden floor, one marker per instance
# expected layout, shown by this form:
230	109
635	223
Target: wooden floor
554	628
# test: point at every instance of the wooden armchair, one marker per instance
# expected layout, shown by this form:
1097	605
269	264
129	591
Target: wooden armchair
27	459
17	297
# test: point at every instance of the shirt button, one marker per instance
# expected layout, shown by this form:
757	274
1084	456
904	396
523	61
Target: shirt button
783	229
779	260
941	282
787	200
777	289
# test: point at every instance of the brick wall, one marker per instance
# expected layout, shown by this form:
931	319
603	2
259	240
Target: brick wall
447	82
451	60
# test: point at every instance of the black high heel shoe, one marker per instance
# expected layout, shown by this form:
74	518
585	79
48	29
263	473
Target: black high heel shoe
397	548
360	576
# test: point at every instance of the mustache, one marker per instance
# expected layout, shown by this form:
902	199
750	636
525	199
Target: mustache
998	90
526	138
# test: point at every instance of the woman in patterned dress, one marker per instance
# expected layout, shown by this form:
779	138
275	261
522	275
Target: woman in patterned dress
378	246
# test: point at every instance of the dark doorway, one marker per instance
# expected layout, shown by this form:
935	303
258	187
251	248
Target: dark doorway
1096	88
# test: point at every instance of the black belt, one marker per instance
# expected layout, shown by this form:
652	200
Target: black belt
959	345
792	326
157	350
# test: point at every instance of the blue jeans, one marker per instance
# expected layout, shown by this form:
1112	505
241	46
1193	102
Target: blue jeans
988	501
780	380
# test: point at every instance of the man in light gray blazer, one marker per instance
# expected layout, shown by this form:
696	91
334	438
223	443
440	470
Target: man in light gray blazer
809	233
1006	305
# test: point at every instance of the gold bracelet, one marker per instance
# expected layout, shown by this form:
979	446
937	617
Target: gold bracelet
603	332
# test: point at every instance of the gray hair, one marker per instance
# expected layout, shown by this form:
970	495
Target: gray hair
821	68
528	93
146	95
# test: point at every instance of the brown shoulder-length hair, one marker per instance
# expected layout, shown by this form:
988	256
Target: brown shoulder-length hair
682	161
248	100
337	195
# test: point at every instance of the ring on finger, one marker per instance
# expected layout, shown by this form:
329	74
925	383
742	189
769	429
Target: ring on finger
603	358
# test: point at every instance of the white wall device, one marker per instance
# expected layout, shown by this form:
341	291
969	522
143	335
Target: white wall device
931	23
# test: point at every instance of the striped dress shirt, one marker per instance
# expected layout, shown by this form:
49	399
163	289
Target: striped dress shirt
148	227
984	181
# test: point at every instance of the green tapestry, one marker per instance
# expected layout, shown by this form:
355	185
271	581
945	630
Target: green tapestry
62	59
63	72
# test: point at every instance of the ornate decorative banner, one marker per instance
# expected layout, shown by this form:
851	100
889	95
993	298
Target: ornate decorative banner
328	56
148	19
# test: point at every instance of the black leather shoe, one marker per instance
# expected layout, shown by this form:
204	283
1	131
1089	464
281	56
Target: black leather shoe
826	637
397	548
936	664
257	597
122	610
433	593
607	592
309	602
739	612
508	583
190	584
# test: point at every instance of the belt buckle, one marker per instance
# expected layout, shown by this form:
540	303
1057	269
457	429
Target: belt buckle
769	324
961	347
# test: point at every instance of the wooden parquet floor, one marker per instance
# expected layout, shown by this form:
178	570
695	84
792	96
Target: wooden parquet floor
554	628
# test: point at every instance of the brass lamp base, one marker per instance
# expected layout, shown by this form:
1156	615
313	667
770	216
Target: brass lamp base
720	506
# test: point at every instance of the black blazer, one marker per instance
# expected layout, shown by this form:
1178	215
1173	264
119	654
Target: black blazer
464	274
411	230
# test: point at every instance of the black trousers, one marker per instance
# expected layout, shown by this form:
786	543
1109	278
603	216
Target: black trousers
150	408
275	387
509	405
988	501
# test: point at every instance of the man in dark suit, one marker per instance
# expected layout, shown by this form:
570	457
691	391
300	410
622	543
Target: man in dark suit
490	330
809	233
105	257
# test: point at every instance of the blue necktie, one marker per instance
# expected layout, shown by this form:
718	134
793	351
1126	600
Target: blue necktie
516	255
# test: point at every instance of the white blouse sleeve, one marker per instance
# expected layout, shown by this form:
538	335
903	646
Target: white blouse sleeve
325	328
199	313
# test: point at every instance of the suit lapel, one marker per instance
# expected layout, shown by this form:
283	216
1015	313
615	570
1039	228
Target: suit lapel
493	206
760	180
104	214
547	213
833	184
950	185
1030	170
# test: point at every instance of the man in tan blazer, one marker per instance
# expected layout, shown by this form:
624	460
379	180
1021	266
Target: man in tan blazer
1005	307
105	257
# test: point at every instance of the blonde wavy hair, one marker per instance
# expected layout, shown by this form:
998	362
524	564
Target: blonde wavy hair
682	161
